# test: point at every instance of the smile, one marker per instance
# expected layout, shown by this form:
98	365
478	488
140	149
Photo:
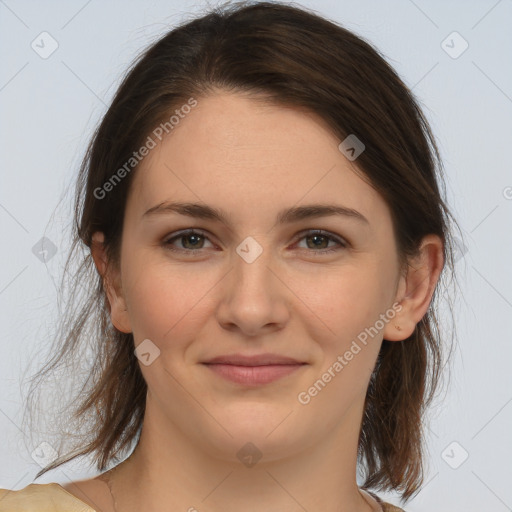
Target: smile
253	375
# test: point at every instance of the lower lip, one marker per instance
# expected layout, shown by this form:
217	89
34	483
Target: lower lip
253	375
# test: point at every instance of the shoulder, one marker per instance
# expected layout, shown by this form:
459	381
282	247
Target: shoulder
41	498
387	507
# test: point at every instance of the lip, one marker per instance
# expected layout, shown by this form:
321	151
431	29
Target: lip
253	360
253	370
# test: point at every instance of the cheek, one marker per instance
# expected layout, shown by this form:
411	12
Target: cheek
163	302
350	303
347	300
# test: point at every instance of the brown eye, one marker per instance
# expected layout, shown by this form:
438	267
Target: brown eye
320	240
190	241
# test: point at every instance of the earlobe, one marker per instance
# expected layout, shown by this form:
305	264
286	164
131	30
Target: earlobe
416	288
111	285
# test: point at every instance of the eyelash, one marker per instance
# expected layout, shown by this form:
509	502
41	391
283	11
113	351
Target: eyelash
331	237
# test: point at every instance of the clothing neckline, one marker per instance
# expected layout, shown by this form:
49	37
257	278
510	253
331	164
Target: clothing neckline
374	501
371	499
75	497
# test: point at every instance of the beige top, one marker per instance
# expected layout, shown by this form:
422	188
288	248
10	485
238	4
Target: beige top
54	498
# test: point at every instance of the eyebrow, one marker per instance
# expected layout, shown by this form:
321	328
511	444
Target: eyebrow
286	216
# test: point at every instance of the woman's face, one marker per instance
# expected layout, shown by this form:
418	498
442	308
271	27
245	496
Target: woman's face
256	282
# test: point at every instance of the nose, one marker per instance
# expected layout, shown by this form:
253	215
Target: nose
254	297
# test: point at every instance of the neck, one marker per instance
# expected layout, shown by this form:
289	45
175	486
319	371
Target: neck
168	470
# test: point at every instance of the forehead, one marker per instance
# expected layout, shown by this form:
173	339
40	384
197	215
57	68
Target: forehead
253	158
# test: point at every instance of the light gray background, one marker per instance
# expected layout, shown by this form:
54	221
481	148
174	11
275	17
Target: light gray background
50	106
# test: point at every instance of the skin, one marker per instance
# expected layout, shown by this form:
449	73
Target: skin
253	159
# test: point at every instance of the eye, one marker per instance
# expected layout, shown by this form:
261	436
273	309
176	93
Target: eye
318	237
192	241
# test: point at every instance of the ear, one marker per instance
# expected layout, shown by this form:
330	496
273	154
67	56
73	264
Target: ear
415	289
111	284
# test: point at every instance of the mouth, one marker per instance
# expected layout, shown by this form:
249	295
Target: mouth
253	370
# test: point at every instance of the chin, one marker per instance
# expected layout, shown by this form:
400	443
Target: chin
268	436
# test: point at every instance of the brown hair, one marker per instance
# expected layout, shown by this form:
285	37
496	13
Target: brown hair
291	57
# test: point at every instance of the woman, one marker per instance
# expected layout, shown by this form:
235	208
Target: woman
261	203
